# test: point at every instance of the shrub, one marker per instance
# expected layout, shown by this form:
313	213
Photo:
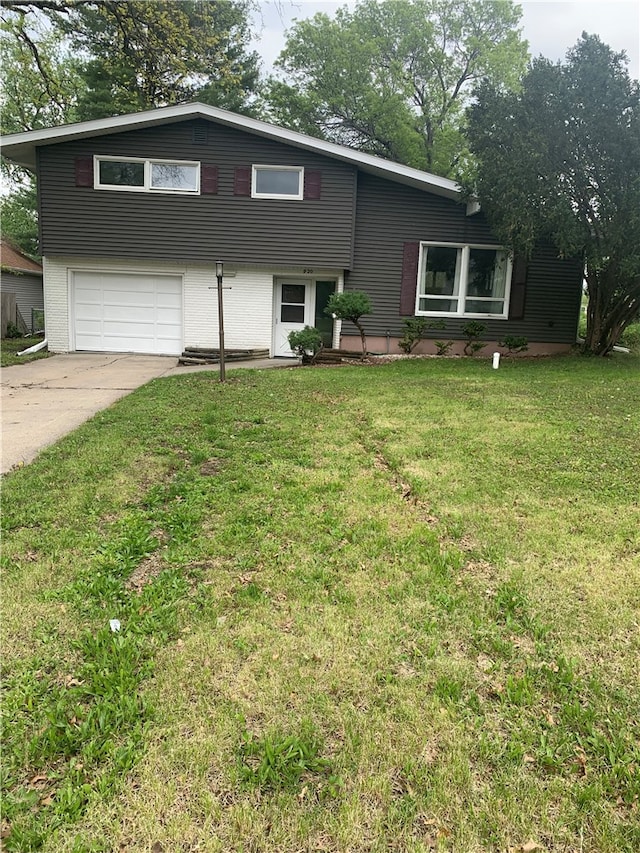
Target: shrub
414	328
443	347
514	344
13	331
306	343
631	338
472	330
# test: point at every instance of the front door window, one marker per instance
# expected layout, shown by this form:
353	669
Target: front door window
323	322
292	303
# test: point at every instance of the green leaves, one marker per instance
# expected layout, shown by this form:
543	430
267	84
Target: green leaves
392	78
560	160
350	305
307	341
71	61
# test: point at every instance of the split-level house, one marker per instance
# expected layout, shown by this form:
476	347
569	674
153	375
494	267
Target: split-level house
136	210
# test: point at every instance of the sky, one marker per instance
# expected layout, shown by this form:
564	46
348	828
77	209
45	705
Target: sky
550	26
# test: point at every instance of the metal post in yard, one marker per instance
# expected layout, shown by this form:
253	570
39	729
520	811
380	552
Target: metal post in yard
219	273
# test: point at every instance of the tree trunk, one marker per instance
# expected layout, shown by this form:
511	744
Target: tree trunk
363	338
608	315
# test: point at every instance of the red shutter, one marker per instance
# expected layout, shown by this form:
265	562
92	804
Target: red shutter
242	181
209	180
84	171
312	185
409	279
518	288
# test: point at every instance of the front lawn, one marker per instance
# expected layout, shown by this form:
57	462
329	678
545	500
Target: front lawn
359	609
10	346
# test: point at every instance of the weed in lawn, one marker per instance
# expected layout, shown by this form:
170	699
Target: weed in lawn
280	760
248	594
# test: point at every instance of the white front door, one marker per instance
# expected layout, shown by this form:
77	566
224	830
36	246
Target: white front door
293	311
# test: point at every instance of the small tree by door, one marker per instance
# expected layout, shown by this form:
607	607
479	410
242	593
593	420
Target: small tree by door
351	305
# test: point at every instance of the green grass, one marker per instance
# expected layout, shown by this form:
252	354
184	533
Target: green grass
365	608
10	346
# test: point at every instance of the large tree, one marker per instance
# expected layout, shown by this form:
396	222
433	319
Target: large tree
40	86
561	160
74	60
132	55
393	78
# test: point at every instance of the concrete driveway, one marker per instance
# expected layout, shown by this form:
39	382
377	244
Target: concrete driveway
46	399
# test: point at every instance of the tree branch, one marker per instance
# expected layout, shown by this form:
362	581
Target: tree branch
48	83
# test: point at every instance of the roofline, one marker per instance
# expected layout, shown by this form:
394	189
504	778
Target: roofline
13	268
20	147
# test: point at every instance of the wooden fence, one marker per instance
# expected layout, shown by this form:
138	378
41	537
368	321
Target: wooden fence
8	311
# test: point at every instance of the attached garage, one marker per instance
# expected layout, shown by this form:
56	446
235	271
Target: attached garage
127	312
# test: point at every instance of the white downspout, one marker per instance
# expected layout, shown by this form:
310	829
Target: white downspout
34	348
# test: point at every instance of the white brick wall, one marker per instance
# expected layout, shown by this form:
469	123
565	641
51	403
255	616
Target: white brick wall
248	308
56	304
248	299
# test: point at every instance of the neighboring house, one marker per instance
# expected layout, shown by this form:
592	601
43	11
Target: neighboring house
22	277
135	211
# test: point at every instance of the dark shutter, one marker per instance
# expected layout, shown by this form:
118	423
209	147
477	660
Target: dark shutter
84	171
312	185
242	181
518	288
209	180
409	279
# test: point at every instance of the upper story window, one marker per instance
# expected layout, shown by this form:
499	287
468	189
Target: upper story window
460	280
286	182
136	175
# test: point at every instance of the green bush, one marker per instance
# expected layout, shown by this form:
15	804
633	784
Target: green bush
472	331
13	331
414	329
306	343
514	344
443	347
631	338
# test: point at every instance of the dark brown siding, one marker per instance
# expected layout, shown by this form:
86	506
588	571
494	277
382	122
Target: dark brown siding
390	215
84	221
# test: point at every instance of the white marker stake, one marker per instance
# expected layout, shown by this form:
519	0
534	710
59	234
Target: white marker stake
496	360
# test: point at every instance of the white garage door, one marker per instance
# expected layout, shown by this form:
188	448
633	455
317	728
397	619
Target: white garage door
128	312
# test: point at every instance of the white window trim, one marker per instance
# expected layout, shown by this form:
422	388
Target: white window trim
460	294
298	169
147	188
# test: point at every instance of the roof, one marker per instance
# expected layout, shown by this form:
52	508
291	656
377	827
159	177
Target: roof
21	147
13	259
